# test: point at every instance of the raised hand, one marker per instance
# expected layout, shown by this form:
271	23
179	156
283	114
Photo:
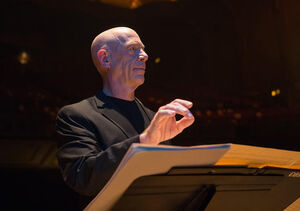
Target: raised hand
164	125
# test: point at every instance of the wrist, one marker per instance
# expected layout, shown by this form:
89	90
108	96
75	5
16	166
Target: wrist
145	139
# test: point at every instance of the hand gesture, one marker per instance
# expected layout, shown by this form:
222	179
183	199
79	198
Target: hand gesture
164	125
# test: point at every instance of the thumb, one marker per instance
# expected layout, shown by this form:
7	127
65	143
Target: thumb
184	123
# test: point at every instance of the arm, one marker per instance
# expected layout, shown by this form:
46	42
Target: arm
85	166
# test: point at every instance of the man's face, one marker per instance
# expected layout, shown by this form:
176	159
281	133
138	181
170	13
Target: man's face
128	59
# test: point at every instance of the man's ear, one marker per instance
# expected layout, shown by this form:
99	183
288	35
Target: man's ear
103	58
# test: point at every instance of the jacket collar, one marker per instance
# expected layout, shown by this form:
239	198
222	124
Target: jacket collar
109	110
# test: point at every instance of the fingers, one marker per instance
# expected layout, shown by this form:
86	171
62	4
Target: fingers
184	123
165	112
185	103
179	107
164	125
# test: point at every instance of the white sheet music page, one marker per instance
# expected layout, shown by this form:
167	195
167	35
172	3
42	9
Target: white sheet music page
141	160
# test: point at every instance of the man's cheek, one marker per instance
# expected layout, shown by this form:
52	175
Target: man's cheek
128	64
126	69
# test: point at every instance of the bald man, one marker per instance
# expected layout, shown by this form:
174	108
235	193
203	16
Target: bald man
97	132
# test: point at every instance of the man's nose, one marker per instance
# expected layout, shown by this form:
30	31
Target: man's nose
143	56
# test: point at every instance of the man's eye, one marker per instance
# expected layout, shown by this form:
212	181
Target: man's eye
132	48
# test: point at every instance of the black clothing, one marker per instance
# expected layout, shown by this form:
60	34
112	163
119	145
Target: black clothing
132	111
95	135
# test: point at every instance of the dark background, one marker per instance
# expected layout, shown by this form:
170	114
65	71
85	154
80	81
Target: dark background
227	56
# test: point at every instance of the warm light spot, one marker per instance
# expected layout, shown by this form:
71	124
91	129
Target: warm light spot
208	112
23	57
237	116
135	4
278	91
273	93
220	112
258	114
198	113
157	60
229	110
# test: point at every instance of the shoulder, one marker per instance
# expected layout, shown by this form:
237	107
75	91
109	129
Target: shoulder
78	109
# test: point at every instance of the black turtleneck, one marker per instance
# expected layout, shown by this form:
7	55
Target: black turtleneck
132	111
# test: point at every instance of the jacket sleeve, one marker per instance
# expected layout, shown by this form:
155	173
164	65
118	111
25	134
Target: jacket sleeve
85	166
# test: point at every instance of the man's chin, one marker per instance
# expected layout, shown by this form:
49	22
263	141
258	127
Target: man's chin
139	80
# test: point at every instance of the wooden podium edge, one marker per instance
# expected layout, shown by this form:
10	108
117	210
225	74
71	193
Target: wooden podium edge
260	157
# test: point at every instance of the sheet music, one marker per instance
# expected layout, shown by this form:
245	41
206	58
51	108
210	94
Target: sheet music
141	160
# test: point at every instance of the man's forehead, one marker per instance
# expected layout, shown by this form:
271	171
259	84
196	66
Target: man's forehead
126	36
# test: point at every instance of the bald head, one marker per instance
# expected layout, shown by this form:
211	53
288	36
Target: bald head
108	41
120	58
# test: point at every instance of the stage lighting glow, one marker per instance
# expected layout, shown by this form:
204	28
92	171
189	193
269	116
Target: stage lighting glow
258	114
237	116
135	4
130	4
278	91
157	60
23	57
208	113
220	112
273	93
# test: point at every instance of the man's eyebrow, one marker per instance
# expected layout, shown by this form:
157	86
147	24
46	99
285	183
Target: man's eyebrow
135	43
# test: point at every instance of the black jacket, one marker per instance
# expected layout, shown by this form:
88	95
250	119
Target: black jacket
94	139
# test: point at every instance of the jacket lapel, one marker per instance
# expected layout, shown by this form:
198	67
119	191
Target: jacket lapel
148	112
110	111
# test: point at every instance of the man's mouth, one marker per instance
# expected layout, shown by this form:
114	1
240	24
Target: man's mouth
139	69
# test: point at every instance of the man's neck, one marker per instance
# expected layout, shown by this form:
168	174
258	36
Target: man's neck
119	92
